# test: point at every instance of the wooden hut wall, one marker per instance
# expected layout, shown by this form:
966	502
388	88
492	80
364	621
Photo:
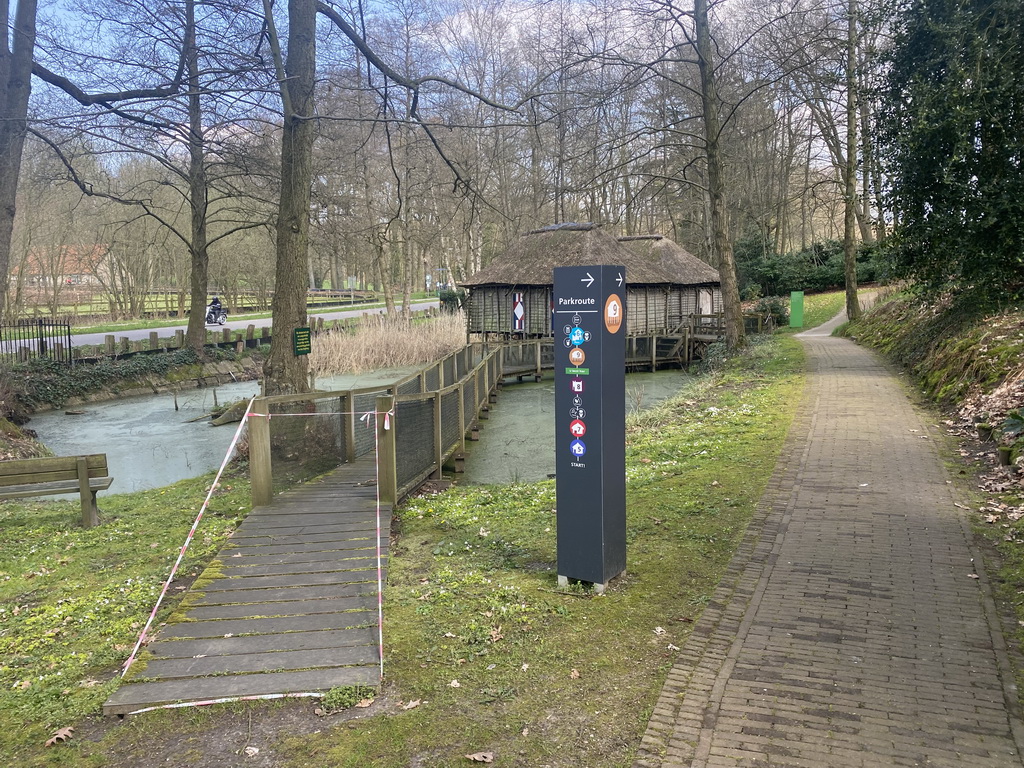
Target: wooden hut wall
490	309
646	309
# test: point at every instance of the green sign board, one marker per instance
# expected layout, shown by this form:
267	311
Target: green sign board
796	309
302	341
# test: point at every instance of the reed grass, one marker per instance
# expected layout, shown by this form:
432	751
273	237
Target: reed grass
386	341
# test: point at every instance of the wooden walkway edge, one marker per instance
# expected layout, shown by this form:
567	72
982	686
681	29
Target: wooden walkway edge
293	609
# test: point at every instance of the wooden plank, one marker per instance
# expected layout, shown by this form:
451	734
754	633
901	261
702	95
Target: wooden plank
266	626
164	669
297	547
304	530
291	641
232	569
283	608
52	488
97	463
322	519
308	580
247	557
129	698
227	596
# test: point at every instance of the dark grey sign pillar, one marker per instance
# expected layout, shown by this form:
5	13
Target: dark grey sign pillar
589	322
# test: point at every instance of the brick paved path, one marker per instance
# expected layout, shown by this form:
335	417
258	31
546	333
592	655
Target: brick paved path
850	629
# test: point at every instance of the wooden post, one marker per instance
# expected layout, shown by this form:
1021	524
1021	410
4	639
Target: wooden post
108	344
179	339
438	442
90	516
250	335
154	340
260	471
654	353
126	345
462	416
387	458
349	409
536	357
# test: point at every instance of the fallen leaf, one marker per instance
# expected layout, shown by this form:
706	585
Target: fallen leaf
60	736
973	576
454	684
412	704
673	647
575	674
659	630
481	757
251	751
450	634
496	634
364	703
526	731
525	667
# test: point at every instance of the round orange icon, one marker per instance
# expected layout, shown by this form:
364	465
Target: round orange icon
613	314
576	356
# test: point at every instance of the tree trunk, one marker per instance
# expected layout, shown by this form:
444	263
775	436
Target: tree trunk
285	372
850	213
721	246
195	336
15	88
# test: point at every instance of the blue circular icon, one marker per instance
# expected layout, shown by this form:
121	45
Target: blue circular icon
577	336
578	448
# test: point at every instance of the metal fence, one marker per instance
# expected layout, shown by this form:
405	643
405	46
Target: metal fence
36	338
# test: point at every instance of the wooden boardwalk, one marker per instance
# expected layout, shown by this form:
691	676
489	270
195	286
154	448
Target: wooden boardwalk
292	610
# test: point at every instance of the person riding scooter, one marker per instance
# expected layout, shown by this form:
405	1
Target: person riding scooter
215	313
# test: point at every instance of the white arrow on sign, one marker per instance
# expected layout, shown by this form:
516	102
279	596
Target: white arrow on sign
589	280
619	279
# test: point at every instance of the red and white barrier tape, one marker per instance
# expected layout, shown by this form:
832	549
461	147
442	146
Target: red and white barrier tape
188	540
369	418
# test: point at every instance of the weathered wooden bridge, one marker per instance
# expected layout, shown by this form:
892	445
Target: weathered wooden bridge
290	606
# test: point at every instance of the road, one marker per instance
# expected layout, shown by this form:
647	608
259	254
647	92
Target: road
96	339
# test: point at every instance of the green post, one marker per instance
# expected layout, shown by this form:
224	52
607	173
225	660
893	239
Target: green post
796	309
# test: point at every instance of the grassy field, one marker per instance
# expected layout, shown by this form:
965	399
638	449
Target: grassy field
483	653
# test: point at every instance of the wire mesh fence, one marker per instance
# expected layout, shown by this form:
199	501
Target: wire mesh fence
413	429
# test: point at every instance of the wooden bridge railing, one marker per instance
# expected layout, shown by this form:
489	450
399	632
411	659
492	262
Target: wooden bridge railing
415	425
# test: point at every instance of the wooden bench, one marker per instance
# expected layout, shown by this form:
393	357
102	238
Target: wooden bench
84	475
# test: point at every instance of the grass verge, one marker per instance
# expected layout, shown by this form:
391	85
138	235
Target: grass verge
73	601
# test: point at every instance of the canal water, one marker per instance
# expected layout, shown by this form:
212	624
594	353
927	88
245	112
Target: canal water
149	444
517	442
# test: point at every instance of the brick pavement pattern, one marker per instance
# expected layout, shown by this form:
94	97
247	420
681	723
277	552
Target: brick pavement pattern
852	627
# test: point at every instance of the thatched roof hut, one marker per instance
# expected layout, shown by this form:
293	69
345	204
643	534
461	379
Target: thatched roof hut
513	295
674	260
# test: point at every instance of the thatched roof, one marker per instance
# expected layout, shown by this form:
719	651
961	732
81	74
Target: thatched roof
530	260
673	259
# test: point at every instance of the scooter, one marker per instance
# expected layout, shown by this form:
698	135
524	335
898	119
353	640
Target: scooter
216	316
